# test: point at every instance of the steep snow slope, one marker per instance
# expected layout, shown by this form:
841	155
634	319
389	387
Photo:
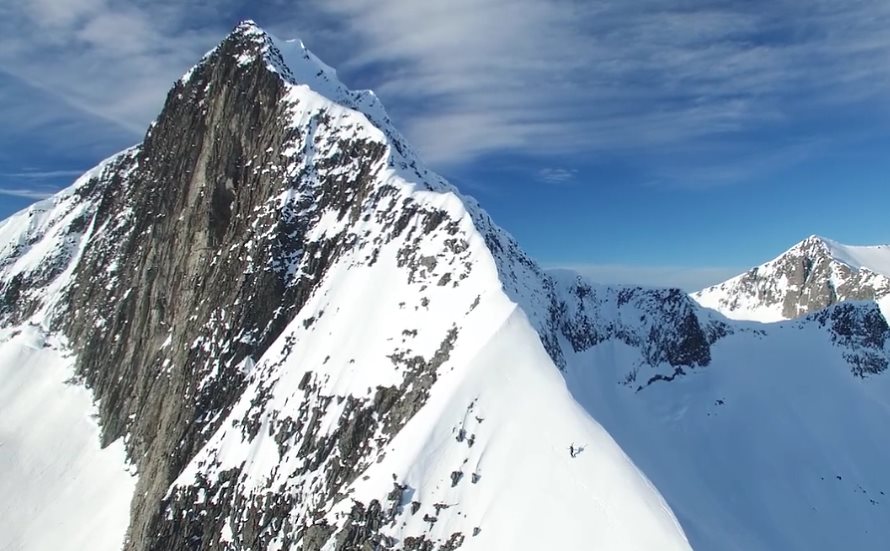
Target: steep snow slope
875	258
60	489
813	274
774	445
487	453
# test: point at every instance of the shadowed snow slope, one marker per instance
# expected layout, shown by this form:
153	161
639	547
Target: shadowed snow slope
306	340
60	489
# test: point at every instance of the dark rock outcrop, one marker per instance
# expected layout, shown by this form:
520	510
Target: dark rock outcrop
666	326
861	330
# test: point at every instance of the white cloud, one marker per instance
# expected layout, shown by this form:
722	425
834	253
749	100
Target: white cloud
29	193
42	175
468	77
564	77
104	59
56	14
551	175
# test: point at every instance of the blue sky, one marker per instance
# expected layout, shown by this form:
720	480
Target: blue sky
648	141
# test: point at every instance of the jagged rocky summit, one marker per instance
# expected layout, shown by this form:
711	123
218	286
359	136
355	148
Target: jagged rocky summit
811	275
298	337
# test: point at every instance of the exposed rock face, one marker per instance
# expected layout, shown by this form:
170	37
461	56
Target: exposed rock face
861	330
807	278
667	327
180	262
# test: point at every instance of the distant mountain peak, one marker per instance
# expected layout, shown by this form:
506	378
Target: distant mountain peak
813	274
247	27
874	258
814	245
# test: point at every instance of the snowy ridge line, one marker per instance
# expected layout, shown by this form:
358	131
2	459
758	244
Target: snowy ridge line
875	258
525	284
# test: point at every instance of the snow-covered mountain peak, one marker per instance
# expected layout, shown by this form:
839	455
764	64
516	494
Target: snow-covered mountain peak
814	244
874	258
298	332
814	247
249	43
811	275
310	78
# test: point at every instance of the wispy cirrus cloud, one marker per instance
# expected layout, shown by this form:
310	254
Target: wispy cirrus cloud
81	79
465	78
105	59
557	175
36	184
557	77
41	174
29	192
